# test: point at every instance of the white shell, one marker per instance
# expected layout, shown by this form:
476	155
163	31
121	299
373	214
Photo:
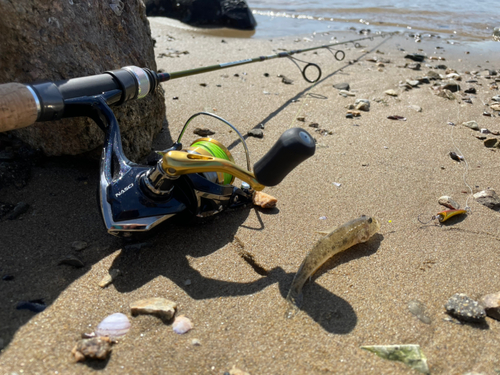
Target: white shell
182	325
114	325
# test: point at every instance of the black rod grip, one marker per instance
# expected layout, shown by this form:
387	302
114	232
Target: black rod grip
292	148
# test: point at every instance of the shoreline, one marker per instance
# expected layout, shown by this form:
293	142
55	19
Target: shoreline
369	164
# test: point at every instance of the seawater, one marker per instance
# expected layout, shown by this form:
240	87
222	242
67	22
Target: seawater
464	20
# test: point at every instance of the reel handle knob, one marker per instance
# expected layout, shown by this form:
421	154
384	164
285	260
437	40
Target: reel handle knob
292	148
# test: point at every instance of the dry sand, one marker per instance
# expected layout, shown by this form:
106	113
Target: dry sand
394	170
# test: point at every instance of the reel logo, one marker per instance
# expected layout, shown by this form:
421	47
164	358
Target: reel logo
124	190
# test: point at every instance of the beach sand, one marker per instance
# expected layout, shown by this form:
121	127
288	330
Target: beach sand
393	170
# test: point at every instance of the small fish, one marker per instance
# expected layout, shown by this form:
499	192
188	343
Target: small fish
336	240
445	215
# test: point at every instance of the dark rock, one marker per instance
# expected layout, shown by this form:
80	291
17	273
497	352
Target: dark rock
72	261
203	132
59	41
36	305
432	75
20	209
342	86
441	66
286	81
415	57
413	66
470	90
8	278
453	86
93	348
465	309
234	14
257	133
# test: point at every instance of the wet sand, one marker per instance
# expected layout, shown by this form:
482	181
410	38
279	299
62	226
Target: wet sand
393	170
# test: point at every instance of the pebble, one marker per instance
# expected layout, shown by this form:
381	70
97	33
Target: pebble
491	304
7	277
470	90
354	113
417	308
465	309
415	57
20	209
447	201
432	75
496	98
413	66
346	93
236	371
391	92
451	85
413	83
492	143
471	124
342	86
495	107
35	306
415	108
72	261
195	342
94	348
410	355
257	133
203	132
362	105
187	282
264	200
496	34
161	307
79	245
108	279
286	81
488	198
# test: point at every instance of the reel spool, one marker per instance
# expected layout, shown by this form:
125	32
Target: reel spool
212	147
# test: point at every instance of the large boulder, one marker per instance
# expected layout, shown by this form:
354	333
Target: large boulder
233	14
55	40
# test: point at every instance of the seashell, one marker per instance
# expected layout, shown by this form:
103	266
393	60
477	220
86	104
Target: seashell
114	325
264	200
182	325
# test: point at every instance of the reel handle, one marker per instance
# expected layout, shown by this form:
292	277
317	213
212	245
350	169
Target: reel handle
292	148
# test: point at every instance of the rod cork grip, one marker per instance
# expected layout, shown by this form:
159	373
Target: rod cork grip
292	148
17	107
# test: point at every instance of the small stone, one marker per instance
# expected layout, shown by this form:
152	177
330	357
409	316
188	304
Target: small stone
415	57
346	93
413	66
492	143
342	86
491	304
182	324
452	85
187	282
496	34
495	107
79	245
488	198
259	198
354	113
415	108
432	75
471	124
161	307
447	201
94	348
72	261
314	125
417	308
20	209
257	133
410	355
391	92
203	84
7	277
195	342
237	371
203	132
349	115
36	305
286	81
465	309
109	278
362	105
441	66
413	83
470	90
496	98
301	118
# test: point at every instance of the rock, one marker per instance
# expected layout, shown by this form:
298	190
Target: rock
161	307
72	261
447	201
354	113
391	92
94	348
237	371
417	308
492	143
415	108
471	124
286	81
195	342
362	105
264	200
234	14
451	85
79	245
413	66
496	98
415	57
465	309
342	86
495	107
18	210
496	34
491	304
346	93
75	39
109	278
257	133
410	355
488	198
470	90
314	125
182	324
413	82
447	94
203	132
36	305
432	75
441	66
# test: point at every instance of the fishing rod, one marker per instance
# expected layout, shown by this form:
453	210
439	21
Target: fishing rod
339	55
